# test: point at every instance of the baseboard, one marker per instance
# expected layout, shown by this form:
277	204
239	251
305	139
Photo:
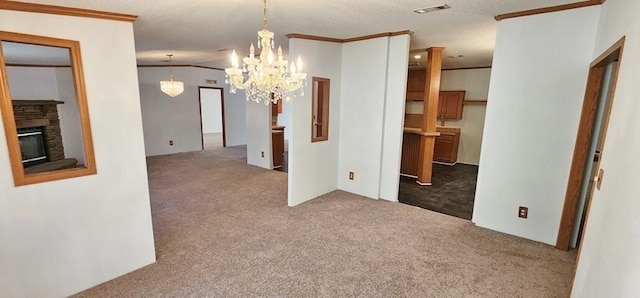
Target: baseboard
445	163
410	176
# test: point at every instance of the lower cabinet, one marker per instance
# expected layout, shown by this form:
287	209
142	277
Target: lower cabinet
446	148
410	154
277	139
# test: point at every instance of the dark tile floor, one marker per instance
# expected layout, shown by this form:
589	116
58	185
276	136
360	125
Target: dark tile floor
452	192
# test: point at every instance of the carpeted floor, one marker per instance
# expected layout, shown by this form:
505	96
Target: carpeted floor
222	229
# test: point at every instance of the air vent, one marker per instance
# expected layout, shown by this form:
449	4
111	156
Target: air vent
432	9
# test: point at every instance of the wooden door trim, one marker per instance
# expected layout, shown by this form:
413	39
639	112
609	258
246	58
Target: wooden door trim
584	136
568	212
224	129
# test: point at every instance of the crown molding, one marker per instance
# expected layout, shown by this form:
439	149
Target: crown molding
339	40
67	11
179	65
523	13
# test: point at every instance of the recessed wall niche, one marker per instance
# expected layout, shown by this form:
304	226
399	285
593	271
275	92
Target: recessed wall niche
44	108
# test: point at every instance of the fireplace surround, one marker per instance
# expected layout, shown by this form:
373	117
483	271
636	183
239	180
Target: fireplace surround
38	121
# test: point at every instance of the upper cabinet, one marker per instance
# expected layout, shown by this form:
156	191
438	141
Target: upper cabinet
415	84
450	105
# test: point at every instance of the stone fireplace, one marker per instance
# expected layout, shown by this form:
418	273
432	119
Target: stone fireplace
39	115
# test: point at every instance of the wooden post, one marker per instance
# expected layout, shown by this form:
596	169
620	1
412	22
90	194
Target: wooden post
429	114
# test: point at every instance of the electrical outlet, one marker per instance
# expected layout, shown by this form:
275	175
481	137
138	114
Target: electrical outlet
523	212
262	154
350	175
170	142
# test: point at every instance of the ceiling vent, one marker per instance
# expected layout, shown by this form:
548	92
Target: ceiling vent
432	9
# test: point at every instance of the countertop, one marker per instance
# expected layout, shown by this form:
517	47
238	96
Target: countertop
440	130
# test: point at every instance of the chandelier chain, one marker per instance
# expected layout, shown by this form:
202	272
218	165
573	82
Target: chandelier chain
264	15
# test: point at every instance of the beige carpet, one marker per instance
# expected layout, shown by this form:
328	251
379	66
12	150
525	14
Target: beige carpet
222	229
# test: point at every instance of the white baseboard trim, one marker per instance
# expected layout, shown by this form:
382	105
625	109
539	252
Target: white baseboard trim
423	184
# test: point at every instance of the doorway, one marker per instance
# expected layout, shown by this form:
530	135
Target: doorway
212	126
586	174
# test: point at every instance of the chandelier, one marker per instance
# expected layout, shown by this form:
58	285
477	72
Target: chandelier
171	87
267	79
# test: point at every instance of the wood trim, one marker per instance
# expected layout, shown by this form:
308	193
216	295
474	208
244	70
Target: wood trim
67	11
224	127
385	34
32	123
466	68
314	37
325	109
181	65
352	39
19	102
6	105
523	13
607	56
579	156
583	139
614	52
35	65
475	102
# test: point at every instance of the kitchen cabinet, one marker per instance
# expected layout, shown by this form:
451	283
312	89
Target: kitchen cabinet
445	149
410	153
415	84
450	105
277	141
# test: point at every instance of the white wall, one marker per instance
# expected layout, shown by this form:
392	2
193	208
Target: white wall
396	88
476	84
211	110
32	82
234	104
362	115
47	83
313	167
64	236
535	97
69	114
609	264
178	118
259	148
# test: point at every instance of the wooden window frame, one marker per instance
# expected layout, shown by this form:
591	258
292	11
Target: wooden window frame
325	109
6	108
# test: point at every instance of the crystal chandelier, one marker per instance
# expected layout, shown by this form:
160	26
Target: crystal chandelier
171	87
268	79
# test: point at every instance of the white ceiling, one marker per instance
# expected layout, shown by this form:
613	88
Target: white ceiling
196	30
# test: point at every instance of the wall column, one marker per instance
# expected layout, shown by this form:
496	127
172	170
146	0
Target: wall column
429	114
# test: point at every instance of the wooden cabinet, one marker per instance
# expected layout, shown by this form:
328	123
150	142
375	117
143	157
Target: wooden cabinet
450	105
277	140
415	84
446	148
410	154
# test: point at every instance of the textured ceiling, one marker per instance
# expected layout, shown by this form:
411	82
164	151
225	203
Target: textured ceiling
196	31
